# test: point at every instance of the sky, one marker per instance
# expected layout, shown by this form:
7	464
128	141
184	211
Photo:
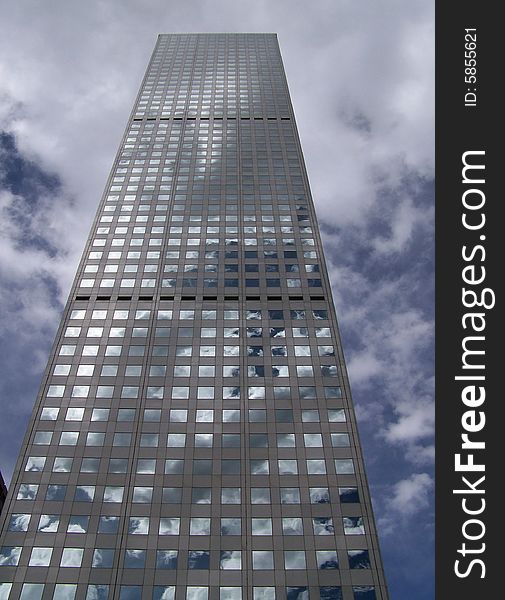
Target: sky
361	77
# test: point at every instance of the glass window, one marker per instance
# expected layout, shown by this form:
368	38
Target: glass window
201	495
146	466
202	467
294	559
40	557
78	524
64	591
262	559
313	440
310	416
107	524
358	559
43	438
259	467
230	496
344	466
257	416
285	440
118	465
263	593
48	523
62	464
97	592
19	522
166	559
152	415
297	593
164	592
340	440
230	526
31	591
134	559
138	525
71	557
83	493
330	593
178	416
287	467
130	592
142	494
198	559
316	467
174	466
230	593
230	416
348	494
35	463
9	556
199	526
169	526
336	416
204	440
319	495
290	495
284	416
364	592
74	414
353	525
176	440
260	496
197	592
261	526
69	438
323	526
149	440
56	492
292	526
49	414
327	559
172	495
100	414
122	439
94	438
230	560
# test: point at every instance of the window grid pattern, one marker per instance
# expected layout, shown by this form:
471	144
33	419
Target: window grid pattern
194	435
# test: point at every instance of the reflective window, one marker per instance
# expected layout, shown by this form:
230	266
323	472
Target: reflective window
40	557
9	556
19	522
263	559
166	559
294	559
198	559
102	558
230	560
327	559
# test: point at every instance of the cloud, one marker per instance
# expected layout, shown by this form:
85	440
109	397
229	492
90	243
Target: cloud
411	495
407	500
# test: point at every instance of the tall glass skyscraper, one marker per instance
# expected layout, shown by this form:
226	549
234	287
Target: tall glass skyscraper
194	436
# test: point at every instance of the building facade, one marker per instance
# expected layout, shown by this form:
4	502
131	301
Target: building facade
3	491
194	436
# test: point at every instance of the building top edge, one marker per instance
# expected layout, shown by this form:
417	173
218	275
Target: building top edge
218	33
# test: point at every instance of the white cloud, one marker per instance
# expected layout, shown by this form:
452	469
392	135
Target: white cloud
392	386
403	220
403	503
412	494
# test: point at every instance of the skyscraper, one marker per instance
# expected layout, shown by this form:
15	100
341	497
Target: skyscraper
194	436
3	491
